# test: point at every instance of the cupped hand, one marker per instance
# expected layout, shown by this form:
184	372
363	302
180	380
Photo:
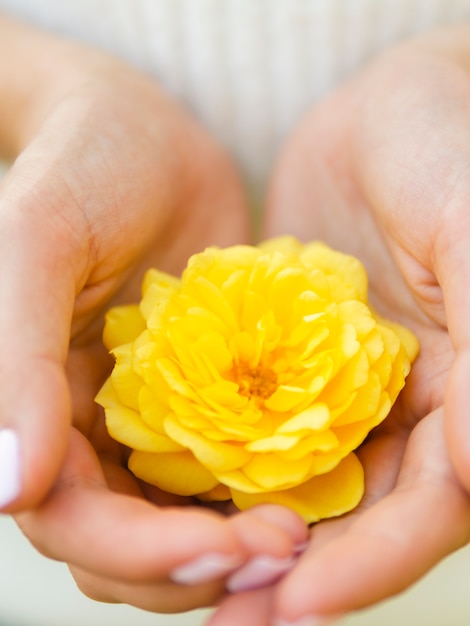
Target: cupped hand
381	170
109	177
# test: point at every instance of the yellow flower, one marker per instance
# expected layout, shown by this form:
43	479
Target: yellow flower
254	377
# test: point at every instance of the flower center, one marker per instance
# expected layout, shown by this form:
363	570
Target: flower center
259	382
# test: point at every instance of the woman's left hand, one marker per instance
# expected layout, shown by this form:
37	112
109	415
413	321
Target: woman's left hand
380	170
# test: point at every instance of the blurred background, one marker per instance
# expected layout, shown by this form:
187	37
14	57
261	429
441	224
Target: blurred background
35	591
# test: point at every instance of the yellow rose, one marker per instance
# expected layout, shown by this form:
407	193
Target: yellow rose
254	377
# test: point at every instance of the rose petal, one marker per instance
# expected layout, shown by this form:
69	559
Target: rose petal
273	444
325	442
157	288
220	493
179	472
126	382
152	410
348	278
210	296
215	455
270	471
123	325
316	417
286	398
365	404
328	495
126	426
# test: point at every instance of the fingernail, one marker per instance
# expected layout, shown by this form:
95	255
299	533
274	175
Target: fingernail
10	480
259	572
205	568
300	548
309	620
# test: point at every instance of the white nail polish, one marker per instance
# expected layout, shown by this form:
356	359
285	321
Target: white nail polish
259	572
205	568
10	480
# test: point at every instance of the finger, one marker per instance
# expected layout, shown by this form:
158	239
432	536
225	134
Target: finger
127	539
454	275
38	249
281	530
458	415
161	596
273	536
390	545
250	608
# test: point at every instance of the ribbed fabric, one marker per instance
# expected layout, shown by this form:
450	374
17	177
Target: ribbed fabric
247	68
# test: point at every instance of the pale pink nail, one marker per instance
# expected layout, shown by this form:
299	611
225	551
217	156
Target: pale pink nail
10	471
205	568
259	572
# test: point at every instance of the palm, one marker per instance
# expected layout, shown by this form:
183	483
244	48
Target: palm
318	183
155	194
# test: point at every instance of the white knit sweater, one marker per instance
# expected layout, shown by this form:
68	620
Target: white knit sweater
247	68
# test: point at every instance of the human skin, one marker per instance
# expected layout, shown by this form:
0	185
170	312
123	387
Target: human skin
109	178
380	169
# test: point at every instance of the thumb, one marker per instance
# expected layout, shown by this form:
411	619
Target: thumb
454	276
37	292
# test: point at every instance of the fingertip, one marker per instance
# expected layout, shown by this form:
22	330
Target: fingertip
26	475
273	537
25	479
205	568
260	571
262	534
285	519
34	440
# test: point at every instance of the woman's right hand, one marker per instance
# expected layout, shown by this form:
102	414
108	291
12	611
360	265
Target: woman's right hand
109	177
